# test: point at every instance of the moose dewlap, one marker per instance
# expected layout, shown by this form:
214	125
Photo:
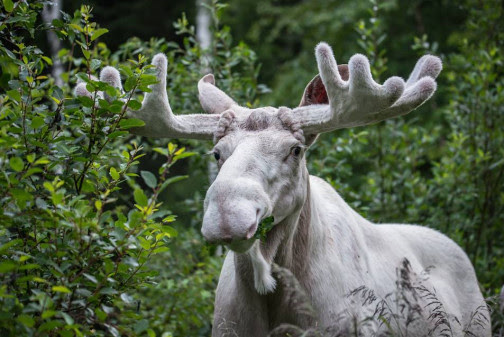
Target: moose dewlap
409	278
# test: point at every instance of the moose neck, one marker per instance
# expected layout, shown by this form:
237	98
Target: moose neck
302	237
288	242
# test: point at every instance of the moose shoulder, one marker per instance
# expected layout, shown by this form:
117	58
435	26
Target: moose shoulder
331	251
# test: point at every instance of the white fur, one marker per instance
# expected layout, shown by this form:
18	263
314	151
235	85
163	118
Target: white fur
360	100
345	251
264	282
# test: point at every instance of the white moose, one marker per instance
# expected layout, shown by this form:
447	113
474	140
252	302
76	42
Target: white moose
328	247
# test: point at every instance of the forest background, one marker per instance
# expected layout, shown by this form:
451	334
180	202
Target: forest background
99	229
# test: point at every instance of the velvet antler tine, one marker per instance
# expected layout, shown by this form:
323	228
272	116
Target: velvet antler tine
156	112
427	65
412	98
212	99
328	69
361	83
81	90
360	100
111	76
158	89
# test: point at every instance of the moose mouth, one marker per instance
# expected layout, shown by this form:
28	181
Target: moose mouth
242	246
256	232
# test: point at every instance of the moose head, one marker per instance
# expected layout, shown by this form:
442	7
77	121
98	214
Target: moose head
260	152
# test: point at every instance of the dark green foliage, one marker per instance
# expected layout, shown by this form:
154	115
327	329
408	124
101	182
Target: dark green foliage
471	173
84	239
72	246
264	227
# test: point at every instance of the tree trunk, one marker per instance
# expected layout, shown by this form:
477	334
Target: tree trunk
50	13
204	38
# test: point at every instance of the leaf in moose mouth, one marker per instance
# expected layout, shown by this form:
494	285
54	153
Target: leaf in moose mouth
264	227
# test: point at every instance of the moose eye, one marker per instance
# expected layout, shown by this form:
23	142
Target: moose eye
296	150
216	155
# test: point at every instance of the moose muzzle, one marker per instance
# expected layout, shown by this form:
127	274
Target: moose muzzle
233	210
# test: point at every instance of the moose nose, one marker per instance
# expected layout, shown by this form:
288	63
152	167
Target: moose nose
224	238
233	208
251	231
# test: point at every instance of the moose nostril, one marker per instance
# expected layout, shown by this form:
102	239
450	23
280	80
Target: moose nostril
251	231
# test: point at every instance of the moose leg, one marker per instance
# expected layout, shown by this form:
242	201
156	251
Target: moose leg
239	309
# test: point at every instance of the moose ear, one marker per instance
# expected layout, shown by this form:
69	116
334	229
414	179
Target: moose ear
212	99
315	92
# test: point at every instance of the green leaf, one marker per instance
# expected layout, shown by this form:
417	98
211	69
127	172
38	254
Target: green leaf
21	196
68	319
145	244
131	123
16	164
49	325
102	316
48	60
97	33
172	232
171	147
182	155
8	5
264	227
86	53
32	171
116	134
77	27
7	266
141	326
14	95
37	122
48	186
114	174
61	289
140	197
95	64
129	83
149	178
86	101
161	150
171	181
10	244
26	320
48	314
169	218
57	198
158	250
134	104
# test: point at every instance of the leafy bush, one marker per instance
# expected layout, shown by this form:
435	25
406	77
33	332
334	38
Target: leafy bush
439	167
83	232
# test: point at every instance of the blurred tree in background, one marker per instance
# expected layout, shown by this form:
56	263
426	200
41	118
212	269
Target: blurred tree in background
87	248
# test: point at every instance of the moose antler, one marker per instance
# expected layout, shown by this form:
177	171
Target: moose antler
360	100
156	111
344	98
